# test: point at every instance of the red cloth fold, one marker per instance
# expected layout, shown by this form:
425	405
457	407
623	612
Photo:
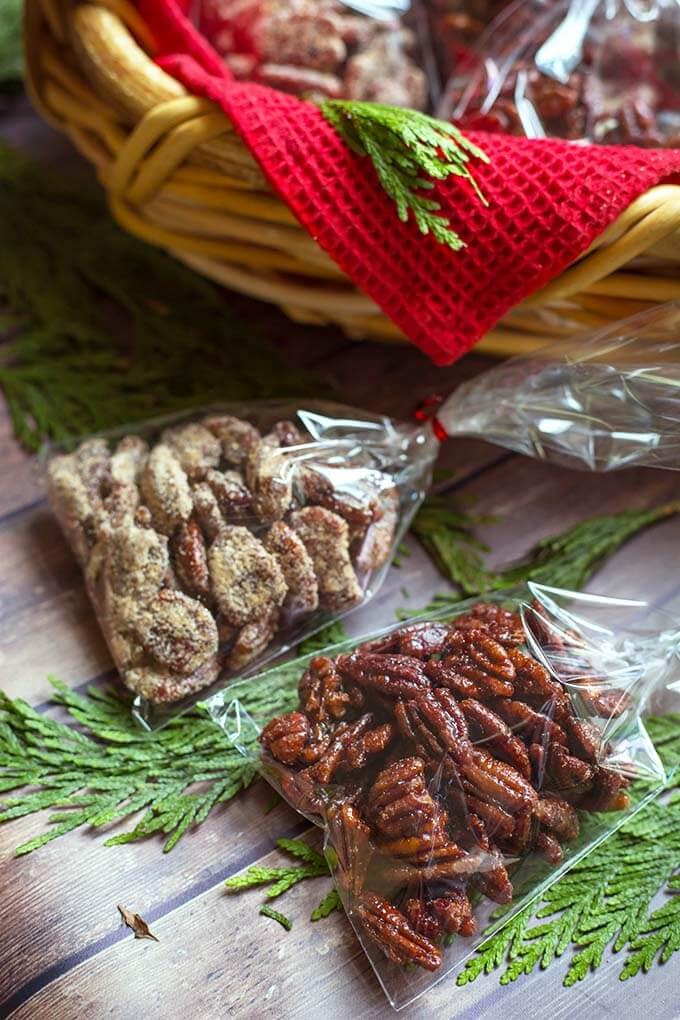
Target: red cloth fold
548	200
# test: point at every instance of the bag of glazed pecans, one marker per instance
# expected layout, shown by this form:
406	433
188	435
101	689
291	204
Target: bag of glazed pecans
605	71
374	50
461	761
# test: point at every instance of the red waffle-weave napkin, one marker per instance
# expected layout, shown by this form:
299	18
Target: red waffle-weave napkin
548	200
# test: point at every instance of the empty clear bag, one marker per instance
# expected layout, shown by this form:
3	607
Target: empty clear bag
605	71
460	763
373	50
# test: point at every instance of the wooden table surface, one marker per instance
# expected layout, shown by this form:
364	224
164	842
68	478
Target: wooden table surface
63	953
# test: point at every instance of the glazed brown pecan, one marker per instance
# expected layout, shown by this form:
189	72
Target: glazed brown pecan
396	676
390	930
603	700
498	823
190	559
554	813
500	624
441	915
400	805
351	746
565	771
549	847
322	696
292	739
534	684
489	728
419	640
491	780
607	792
532	726
350	838
475	657
434	725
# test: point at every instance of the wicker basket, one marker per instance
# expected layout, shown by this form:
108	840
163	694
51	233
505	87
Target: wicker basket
178	176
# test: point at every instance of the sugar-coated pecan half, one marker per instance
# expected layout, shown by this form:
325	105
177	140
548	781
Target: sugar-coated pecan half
399	803
317	488
375	544
286	433
434	725
554	813
245	578
350	837
190	559
441	915
297	568
534	684
322	696
532	726
231	495
491	780
565	771
325	536
500	624
391	932
237	437
165	489
252	639
396	676
495	734
195	447
292	739
351	746
268	474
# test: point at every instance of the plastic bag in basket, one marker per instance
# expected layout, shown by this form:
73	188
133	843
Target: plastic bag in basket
460	762
605	71
324	49
218	539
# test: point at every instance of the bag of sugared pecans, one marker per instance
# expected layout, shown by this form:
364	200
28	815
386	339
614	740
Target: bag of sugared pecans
461	761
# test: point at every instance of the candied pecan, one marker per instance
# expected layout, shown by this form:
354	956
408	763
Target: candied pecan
422	640
293	740
383	73
191	559
487	726
319	489
399	803
301	791
119	505
497	822
268	473
534	684
519	840
326	538
445	674
396	676
534	727
489	779
165	489
351	745
376	543
207	511
301	81
73	505
322	696
554	813
585	740
253	639
564	770
442	915
236	436
93	460
246	580
230	492
161	685
286	433
435	725
350	838
195	447
297	569
136	562
500	624
608	703
475	657
606	792
309	40
128	460
178	632
392	933
549	847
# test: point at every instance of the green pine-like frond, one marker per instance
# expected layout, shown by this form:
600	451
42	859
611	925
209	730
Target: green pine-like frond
409	151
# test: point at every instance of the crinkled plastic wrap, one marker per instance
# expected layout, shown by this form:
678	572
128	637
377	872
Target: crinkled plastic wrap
213	541
604	71
460	763
606	400
374	50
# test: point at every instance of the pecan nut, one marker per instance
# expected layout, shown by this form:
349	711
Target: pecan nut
322	696
391	932
435	725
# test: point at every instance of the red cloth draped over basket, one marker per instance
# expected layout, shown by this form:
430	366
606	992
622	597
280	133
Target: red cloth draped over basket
548	200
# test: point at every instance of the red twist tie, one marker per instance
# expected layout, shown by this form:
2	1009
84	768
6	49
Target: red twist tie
427	412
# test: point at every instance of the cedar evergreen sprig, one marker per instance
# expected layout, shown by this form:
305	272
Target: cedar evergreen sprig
177	343
409	151
11	61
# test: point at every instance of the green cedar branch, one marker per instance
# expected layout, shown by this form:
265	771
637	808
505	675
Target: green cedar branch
409	151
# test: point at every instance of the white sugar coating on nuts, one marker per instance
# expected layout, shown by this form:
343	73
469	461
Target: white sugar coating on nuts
376	543
326	539
252	640
206	511
247	581
297	567
137	561
194	446
236	436
268	473
230	492
69	496
165	489
128	460
176	631
163	686
93	460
